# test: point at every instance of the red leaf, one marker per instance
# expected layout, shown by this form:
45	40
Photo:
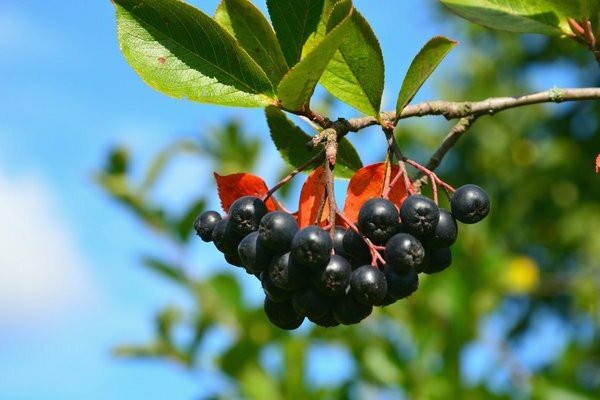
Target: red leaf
598	164
232	187
367	183
310	199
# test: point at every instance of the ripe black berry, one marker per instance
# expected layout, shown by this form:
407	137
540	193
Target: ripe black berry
282	314
348	311
233	259
401	284
326	321
276	230
273	292
311	247
368	285
226	240
310	303
245	214
404	252
419	215
205	223
253	254
436	260
338	242
470	204
445	233
378	219
286	273
333	279
356	247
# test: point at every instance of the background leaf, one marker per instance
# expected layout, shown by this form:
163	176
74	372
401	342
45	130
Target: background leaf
310	199
294	21
423	65
526	16
232	187
254	33
181	52
356	73
368	183
291	142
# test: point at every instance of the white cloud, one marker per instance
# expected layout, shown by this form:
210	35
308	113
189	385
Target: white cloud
42	273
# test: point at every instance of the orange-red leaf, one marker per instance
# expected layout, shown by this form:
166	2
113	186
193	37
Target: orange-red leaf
367	183
598	164
310	199
232	187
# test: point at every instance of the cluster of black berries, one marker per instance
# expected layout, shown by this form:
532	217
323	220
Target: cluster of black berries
329	278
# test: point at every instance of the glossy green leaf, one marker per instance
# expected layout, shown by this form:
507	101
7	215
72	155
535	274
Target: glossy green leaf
166	270
355	75
254	33
423	65
294	21
297	87
526	16
180	51
291	142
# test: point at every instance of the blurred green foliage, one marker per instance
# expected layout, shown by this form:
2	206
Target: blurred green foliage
483	329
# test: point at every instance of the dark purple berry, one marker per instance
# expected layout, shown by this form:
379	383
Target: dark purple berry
282	314
401	284
273	292
333	279
368	285
338	242
245	214
470	204
326	321
205	223
226	240
311	247
356	247
404	252
419	215
378	219
253	254
436	260
233	259
286	273
310	303
445	233
276	230
348	311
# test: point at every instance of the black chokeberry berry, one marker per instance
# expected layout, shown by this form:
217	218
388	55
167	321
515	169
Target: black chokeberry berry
356	247
311	247
333	279
378	219
338	242
276	230
326	321
245	214
273	292
404	252
368	285
419	215
286	273
205	223
254	255
436	260
233	259
401	284
445	233
348	311
226	240
282	314
310	303
470	204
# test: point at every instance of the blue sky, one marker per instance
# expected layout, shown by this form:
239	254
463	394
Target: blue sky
70	286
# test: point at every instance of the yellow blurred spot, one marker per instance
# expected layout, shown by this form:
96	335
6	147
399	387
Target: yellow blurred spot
522	275
564	194
524	153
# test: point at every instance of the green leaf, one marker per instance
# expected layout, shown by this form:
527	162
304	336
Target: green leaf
291	142
355	75
181	52
166	270
254	33
297	87
547	17
423	65
294	21
184	225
